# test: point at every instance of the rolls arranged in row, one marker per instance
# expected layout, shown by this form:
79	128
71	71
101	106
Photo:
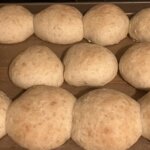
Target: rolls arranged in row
104	24
45	117
84	64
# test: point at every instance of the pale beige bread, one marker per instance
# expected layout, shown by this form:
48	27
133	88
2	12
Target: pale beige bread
106	119
105	24
4	104
89	64
60	24
139	26
134	65
37	65
145	115
16	24
41	118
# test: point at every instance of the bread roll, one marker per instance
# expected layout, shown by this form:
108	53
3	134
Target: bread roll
4	104
37	65
134	65
41	118
60	24
105	24
105	119
145	115
89	64
139	26
16	24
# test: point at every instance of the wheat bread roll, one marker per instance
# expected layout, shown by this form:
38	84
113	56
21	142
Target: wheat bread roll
16	24
106	119
4	104
139	26
89	64
41	118
60	24
134	65
145	115
105	24
37	65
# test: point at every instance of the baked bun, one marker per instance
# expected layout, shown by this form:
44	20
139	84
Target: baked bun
60	24
134	65
105	24
16	24
139	26
37	65
106	119
4	104
145	115
89	64
41	118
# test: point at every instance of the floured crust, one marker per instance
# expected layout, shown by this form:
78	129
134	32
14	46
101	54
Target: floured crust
41	118
105	24
37	65
60	24
16	24
106	119
89	64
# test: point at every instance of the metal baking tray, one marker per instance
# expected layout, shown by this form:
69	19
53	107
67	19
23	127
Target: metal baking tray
8	52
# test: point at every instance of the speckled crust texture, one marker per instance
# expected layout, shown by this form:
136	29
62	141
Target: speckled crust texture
139	26
4	104
41	118
89	64
134	65
145	115
60	24
105	119
38	65
105	24
16	24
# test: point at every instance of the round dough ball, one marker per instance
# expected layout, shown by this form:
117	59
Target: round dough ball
89	64
139	26
41	118
16	24
105	24
105	119
60	24
4	104
145	115
134	65
37	65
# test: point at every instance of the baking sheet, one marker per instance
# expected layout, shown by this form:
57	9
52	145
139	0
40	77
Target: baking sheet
8	52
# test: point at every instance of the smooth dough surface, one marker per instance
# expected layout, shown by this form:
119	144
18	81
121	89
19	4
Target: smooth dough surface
134	65
145	115
41	118
105	24
139	26
89	64
60	24
16	24
106	119
37	65
4	104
